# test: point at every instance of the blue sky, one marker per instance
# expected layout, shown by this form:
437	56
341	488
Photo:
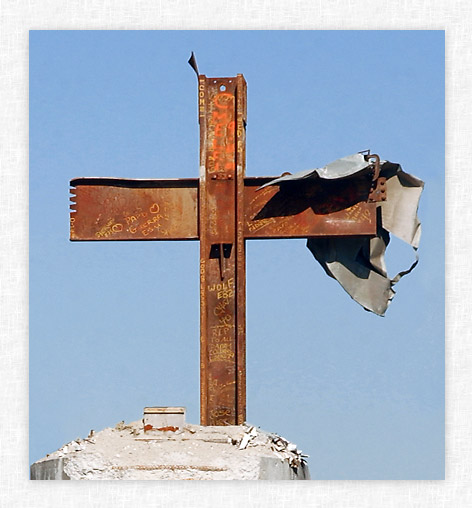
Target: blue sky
114	327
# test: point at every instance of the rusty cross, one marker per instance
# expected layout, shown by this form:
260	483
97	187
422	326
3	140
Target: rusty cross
222	209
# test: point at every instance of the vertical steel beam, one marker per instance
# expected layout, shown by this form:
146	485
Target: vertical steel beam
221	220
241	117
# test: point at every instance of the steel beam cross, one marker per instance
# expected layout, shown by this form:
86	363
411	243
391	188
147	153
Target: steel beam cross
222	209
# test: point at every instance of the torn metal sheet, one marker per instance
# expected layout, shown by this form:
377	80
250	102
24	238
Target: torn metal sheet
358	263
399	211
340	168
193	63
249	435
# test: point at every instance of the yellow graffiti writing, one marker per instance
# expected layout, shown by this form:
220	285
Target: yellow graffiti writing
106	230
357	214
224	290
201	98
220	331
150	225
259	224
221	352
133	217
220	412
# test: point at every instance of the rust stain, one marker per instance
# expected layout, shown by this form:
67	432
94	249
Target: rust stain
168	428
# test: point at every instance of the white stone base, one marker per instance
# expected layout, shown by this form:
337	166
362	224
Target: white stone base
193	452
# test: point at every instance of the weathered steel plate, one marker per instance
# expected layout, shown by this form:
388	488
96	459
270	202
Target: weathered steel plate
220	258
301	210
119	209
167	209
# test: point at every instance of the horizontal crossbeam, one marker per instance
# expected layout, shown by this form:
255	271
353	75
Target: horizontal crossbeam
167	209
119	209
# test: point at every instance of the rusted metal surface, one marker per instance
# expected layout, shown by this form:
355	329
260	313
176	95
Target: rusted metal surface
301	210
222	209
241	119
118	209
378	191
221	250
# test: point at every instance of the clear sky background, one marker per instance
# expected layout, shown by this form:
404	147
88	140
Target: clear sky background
114	326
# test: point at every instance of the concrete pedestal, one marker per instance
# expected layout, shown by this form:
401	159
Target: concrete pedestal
192	452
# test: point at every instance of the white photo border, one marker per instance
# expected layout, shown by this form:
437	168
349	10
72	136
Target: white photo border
16	19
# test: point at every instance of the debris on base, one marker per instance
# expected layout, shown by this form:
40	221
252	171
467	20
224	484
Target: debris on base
191	452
